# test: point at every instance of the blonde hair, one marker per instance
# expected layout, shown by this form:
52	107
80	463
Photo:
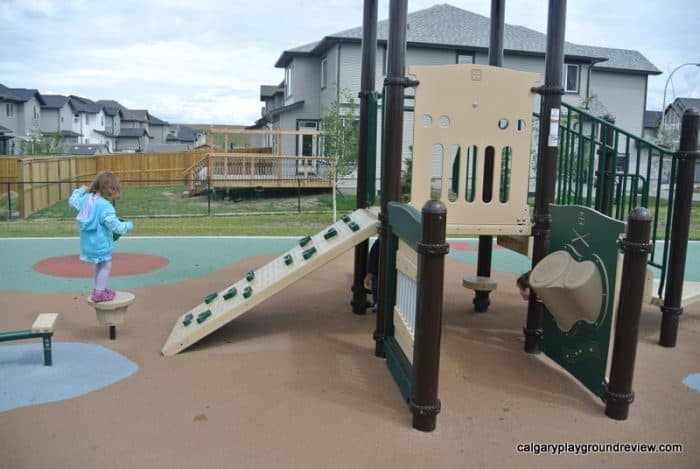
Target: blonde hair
107	184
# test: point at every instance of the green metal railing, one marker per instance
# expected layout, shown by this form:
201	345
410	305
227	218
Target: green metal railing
638	173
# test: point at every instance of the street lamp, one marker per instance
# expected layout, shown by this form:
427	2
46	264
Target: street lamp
663	108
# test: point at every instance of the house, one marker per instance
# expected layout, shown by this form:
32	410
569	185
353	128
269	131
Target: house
158	129
57	119
112	128
652	121
134	132
88	120
20	117
675	110
319	73
189	136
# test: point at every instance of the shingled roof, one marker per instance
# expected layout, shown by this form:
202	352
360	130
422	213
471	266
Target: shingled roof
446	26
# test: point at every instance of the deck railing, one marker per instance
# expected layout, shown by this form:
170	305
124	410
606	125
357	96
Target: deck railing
260	170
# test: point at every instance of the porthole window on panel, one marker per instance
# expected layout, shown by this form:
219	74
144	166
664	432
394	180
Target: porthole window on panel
503	124
506	170
470	170
436	172
444	122
427	121
521	125
453	192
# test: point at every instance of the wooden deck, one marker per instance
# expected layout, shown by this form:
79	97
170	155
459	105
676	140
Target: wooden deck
230	170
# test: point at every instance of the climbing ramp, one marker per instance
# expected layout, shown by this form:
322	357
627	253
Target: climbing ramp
311	252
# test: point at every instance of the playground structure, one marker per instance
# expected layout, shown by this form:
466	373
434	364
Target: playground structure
479	175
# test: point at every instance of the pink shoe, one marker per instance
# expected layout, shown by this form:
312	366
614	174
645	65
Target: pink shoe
101	296
111	292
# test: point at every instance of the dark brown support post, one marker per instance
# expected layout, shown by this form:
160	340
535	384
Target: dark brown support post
369	54
686	155
636	247
394	84
548	150
607	179
485	254
432	249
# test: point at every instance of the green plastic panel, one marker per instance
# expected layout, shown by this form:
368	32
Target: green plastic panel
587	236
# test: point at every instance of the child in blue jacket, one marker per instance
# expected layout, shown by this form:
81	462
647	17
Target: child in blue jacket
97	222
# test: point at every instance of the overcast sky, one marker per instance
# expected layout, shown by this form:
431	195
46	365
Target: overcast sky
204	61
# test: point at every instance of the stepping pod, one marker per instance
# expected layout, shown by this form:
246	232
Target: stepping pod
201	317
309	252
230	294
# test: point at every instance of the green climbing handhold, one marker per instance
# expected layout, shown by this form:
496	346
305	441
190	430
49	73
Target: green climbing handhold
201	317
230	293
288	259
354	226
304	241
345	218
250	276
330	233
247	291
210	297
188	319
309	252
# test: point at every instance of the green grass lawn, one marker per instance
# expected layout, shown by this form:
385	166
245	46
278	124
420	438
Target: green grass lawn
166	211
159	211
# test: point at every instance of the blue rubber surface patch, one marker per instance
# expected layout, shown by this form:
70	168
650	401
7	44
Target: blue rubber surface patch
77	369
693	381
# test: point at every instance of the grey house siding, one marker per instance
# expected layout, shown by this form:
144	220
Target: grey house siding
625	94
50	120
129	144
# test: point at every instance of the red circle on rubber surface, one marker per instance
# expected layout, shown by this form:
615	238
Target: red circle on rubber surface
122	264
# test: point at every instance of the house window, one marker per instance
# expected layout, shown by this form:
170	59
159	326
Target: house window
76	118
36	113
465	58
289	81
571	78
10	110
324	72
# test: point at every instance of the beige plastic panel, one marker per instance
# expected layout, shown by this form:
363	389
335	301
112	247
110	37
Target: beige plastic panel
571	290
270	279
463	105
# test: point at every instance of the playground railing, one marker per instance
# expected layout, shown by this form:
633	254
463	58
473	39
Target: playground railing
605	167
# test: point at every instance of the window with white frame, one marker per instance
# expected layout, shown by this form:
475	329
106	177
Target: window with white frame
571	78
10	110
289	80
465	58
324	72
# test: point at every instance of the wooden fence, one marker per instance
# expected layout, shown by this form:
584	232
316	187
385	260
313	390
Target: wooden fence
41	181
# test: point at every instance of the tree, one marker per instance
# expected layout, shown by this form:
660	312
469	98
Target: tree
340	133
